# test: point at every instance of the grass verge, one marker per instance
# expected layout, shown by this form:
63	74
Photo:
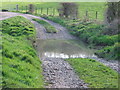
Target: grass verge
21	68
49	28
110	52
94	73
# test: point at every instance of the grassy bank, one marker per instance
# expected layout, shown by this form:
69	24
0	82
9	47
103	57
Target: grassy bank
94	73
96	35
21	68
49	28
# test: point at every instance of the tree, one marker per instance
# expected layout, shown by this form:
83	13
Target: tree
113	17
113	11
69	10
31	8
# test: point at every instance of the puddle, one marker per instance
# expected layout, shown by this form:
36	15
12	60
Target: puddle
63	49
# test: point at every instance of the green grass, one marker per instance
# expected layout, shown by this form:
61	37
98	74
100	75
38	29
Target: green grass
17	27
56	19
21	68
94	73
91	7
110	52
49	28
22	6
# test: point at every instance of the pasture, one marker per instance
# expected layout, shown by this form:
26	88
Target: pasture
89	8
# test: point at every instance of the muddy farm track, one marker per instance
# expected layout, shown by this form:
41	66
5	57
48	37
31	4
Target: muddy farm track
57	72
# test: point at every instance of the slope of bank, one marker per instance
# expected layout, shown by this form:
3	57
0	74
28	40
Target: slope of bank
21	68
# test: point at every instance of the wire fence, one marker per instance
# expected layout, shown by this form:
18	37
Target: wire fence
93	15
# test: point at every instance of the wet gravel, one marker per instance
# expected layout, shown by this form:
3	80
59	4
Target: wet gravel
59	74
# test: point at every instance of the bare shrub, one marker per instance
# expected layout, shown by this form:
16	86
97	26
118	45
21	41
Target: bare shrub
31	8
112	18
113	11
113	27
69	10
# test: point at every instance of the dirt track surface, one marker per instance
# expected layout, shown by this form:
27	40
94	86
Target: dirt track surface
57	72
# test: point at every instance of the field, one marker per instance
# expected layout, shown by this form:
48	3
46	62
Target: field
19	58
91	7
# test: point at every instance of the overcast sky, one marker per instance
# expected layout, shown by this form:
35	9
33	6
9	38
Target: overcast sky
58	0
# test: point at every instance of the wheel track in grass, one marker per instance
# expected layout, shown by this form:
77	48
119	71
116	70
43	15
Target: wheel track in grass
58	73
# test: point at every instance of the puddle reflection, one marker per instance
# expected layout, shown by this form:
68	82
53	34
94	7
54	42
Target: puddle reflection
64	49
65	56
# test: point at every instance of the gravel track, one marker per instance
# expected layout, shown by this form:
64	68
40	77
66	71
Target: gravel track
58	73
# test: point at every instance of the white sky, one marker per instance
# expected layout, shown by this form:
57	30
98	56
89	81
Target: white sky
58	0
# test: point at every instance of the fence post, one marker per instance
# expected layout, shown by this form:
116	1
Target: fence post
41	10
76	13
96	14
17	7
22	9
53	11
86	13
36	10
26	9
47	11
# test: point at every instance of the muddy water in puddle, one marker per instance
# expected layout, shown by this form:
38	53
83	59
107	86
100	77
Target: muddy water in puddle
63	49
